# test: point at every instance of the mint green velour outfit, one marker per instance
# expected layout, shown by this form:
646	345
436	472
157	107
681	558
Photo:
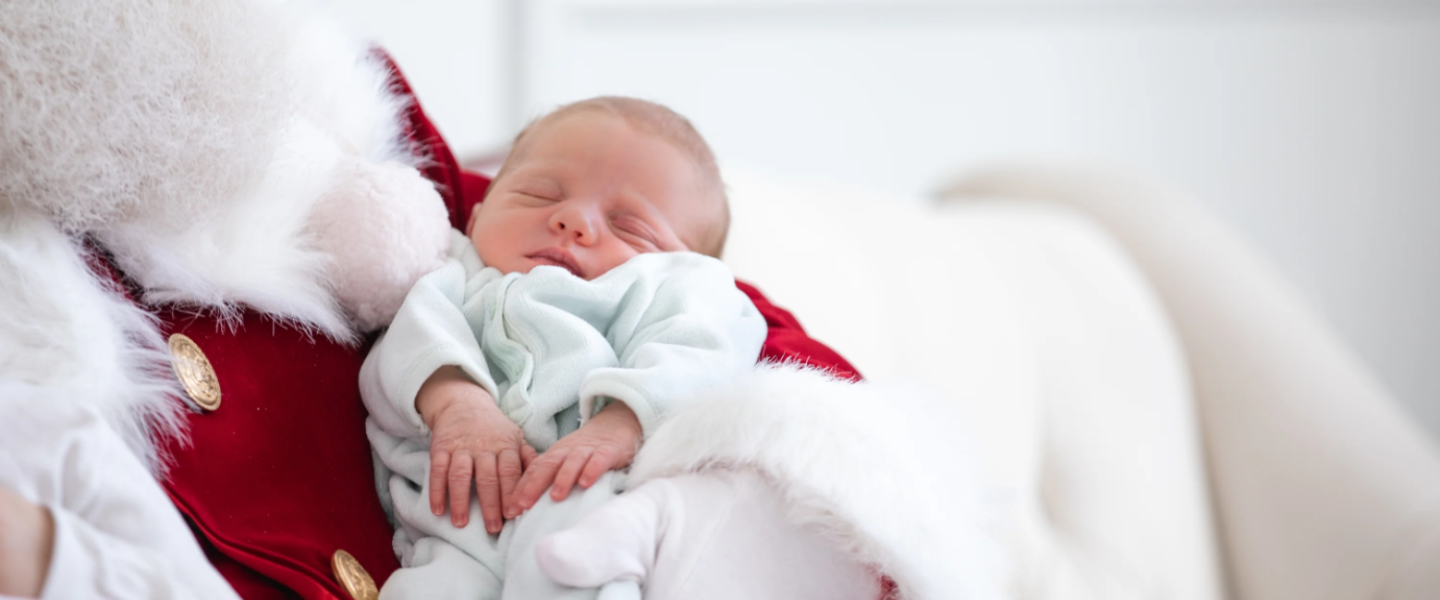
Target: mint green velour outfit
552	349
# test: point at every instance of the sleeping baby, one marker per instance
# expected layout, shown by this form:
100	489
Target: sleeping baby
585	304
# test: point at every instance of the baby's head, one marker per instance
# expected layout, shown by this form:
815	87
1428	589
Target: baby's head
597	182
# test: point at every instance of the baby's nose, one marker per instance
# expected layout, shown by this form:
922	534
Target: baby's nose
575	223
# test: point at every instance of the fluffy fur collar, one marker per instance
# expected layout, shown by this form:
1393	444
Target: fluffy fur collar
884	468
67	337
228	153
195	140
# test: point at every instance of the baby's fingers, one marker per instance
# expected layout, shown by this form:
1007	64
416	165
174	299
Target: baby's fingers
538	477
527	456
603	460
439	467
565	477
462	472
509	472
487	483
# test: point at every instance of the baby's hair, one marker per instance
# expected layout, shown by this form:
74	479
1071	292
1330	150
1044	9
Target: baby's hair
668	125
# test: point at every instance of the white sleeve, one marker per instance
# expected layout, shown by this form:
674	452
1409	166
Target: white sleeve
116	533
684	327
429	332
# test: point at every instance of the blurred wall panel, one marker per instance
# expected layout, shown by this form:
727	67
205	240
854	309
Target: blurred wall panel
1309	125
455	54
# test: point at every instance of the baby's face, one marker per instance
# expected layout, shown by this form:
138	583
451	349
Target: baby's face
587	192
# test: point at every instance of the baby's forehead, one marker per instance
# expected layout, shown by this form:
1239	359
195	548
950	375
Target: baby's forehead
701	221
549	136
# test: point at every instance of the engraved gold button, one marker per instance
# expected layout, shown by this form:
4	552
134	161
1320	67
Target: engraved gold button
194	372
353	577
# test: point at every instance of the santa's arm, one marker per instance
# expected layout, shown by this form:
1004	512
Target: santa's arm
115	534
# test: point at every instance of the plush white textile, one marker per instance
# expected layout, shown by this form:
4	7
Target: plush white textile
1043	333
200	147
886	471
1323	489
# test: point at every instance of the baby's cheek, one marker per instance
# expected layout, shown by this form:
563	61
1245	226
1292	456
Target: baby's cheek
492	247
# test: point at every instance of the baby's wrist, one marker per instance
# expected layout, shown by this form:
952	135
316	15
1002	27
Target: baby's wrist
618	415
447	387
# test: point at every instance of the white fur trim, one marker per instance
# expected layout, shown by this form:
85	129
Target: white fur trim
195	140
76	340
371	203
886	469
255	251
112	111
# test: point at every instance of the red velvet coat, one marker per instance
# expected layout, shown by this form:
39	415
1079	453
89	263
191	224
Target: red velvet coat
280	477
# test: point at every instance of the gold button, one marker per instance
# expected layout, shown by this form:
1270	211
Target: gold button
353	577
194	372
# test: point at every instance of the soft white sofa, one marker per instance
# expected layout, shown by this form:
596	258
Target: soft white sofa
1161	415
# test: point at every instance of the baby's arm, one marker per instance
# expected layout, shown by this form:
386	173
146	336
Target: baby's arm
426	377
684	327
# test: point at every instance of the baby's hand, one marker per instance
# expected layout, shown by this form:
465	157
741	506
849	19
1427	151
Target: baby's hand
606	442
471	440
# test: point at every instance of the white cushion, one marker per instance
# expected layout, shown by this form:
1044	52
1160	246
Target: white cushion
1040	326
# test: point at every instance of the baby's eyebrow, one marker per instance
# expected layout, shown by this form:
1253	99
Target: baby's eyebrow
543	180
540	179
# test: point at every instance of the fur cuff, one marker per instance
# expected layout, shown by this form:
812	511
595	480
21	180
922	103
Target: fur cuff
885	468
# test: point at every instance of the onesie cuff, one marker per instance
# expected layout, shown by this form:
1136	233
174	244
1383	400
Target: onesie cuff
597	393
445	355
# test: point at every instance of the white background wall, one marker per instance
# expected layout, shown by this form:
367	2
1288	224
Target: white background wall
1311	126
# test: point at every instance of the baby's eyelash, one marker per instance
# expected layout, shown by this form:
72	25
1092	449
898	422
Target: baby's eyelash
635	228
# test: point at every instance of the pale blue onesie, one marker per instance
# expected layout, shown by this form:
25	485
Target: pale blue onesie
552	349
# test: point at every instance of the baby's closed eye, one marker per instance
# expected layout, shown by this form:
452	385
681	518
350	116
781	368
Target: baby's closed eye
636	229
537	198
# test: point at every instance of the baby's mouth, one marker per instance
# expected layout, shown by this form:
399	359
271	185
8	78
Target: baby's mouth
559	258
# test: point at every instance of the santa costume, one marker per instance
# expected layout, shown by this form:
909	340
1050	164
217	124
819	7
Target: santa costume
206	207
